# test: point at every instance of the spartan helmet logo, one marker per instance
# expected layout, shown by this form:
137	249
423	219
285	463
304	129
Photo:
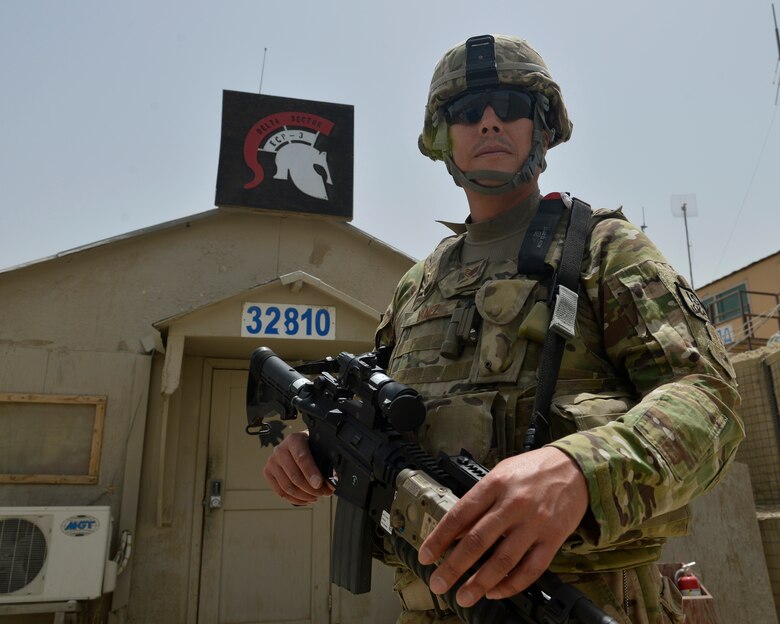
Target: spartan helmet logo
297	158
291	137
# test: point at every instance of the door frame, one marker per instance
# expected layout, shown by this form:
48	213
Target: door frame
209	367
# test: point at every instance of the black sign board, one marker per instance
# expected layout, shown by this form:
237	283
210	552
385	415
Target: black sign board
286	154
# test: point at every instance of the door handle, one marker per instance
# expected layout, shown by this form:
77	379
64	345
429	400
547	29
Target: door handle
215	497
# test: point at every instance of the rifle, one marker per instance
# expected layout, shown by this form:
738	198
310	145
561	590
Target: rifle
387	486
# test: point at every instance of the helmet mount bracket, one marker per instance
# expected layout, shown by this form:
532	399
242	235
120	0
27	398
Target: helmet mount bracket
481	70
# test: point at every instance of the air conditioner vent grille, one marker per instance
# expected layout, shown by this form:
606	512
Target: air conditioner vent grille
22	553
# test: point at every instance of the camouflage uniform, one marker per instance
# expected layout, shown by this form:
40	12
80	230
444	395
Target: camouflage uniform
644	402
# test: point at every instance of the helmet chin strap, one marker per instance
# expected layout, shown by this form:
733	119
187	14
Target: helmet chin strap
507	181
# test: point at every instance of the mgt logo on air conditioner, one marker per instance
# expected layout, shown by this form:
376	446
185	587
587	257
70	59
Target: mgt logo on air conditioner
77	526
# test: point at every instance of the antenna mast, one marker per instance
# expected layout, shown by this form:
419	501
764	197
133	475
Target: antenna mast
777	65
262	71
685	206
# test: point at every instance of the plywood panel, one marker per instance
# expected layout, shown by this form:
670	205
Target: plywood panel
50	438
272	549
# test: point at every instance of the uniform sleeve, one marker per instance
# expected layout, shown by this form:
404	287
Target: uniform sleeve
676	442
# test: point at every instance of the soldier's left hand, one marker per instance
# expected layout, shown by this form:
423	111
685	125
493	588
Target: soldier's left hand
533	501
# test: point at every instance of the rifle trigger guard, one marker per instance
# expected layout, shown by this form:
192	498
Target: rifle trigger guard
258	430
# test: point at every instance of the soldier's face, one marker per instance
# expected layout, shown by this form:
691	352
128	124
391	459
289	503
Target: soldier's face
491	144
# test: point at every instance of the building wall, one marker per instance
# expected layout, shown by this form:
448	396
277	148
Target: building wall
110	295
758	373
761	276
734	539
77	324
726	544
162	564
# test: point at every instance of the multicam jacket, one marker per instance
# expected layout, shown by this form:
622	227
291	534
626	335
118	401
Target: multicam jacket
645	397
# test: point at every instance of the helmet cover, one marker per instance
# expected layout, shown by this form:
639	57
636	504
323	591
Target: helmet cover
517	64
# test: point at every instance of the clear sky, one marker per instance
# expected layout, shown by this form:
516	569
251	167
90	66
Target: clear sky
110	112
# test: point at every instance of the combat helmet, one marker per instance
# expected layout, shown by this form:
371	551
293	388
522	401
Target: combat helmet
488	62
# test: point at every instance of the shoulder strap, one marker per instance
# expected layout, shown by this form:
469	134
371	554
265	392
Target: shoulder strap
563	300
538	237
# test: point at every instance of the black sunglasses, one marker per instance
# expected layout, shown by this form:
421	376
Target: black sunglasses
509	105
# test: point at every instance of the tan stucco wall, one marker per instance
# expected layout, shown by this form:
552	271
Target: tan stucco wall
110	295
122	377
160	582
762	276
74	325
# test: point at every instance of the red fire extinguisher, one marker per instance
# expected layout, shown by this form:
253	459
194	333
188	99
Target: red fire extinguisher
686	581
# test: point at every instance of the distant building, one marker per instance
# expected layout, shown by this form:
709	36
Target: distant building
745	304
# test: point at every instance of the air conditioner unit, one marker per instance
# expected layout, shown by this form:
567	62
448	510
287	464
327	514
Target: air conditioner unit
53	553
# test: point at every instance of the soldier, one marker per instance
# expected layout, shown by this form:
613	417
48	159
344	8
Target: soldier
641	416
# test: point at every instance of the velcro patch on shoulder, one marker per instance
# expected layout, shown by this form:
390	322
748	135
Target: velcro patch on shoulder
692	302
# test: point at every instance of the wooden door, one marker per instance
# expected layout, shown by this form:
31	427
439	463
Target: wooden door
263	561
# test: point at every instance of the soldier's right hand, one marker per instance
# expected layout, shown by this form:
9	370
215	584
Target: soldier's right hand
292	473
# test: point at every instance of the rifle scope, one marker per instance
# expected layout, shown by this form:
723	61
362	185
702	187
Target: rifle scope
273	384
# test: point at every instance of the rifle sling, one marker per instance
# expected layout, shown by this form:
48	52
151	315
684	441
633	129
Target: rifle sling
563	299
537	240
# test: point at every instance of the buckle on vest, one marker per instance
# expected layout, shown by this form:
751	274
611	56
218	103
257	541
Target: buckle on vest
461	329
565	312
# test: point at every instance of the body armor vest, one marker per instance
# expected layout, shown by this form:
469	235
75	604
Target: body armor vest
479	389
479	395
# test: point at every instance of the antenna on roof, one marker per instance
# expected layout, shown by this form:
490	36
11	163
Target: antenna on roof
685	206
265	51
777	65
